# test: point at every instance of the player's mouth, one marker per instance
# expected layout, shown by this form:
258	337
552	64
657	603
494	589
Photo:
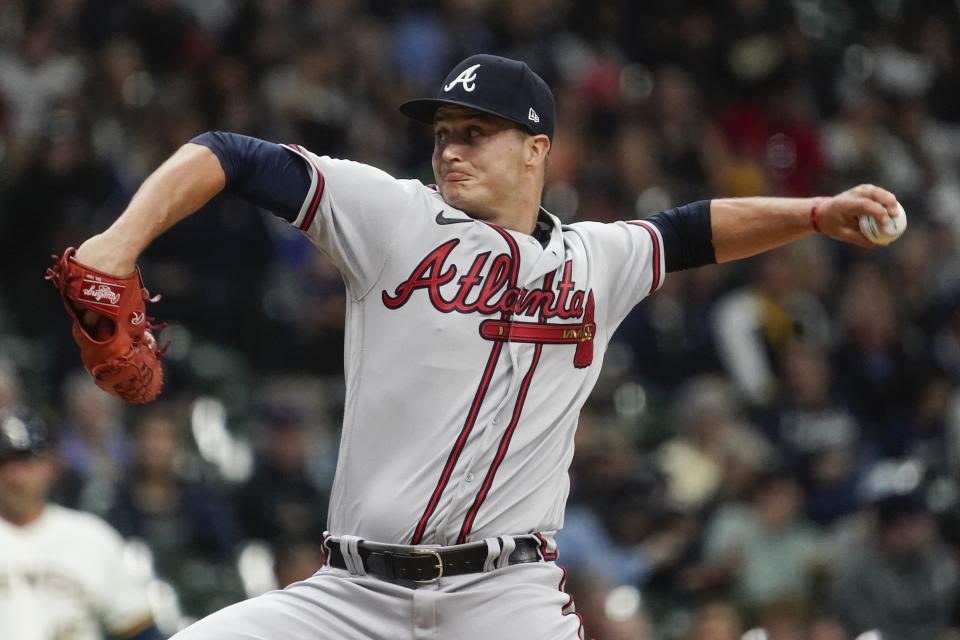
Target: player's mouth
456	176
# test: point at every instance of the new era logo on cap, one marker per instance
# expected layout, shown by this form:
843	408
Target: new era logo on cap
498	86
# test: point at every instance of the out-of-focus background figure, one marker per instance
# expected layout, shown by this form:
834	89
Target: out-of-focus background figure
63	573
773	446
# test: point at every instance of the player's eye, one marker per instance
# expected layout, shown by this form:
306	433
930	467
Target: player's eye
440	137
473	132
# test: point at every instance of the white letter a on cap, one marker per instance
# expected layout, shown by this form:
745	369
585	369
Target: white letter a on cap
467	78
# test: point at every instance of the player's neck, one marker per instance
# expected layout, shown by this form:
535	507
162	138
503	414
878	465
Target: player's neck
24	518
517	216
525	225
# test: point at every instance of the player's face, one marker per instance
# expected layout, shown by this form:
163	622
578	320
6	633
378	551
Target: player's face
24	483
478	160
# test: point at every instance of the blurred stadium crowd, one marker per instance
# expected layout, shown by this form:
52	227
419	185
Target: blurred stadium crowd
773	444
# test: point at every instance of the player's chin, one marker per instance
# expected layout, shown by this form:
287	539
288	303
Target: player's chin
458	195
456	186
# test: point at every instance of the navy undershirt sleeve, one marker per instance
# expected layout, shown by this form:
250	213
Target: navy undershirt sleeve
262	172
687	235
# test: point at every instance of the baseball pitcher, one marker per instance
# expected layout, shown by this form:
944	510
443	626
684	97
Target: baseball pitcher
476	325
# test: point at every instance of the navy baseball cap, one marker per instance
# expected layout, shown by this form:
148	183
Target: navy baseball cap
494	85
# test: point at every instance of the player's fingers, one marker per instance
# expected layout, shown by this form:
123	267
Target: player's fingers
863	205
879	194
854	237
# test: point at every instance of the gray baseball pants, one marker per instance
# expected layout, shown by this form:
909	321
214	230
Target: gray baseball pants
522	602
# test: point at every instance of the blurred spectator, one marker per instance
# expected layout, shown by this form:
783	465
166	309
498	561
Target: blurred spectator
717	620
63	573
873	368
670	335
34	78
607	612
755	323
902	580
306	301
281	503
946	337
625	618
167	32
260	33
714	451
619	524
61	191
912	270
691	149
859	145
189	527
309	95
94	445
232	286
124	88
816	435
586	592
11	390
775	133
825	629
421	46
923	433
766	548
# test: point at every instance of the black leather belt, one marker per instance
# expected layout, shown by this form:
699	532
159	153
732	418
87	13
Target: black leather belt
425	565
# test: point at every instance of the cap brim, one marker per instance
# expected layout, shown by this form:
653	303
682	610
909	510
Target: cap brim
424	110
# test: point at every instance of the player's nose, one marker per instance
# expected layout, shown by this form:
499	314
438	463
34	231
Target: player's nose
451	151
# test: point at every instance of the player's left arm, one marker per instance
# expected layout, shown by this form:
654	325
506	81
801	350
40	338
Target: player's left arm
721	230
726	229
743	227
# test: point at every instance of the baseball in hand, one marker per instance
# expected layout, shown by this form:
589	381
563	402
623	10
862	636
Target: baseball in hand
889	230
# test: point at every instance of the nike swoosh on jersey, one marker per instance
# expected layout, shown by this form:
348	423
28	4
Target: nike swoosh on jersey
442	220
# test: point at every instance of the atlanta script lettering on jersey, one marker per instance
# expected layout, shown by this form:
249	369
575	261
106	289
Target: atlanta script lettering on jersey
493	292
486	293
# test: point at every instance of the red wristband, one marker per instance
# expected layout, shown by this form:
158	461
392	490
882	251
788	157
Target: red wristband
815	214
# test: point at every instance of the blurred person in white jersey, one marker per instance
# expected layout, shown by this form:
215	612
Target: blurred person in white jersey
62	573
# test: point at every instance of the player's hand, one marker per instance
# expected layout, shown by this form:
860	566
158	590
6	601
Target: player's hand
839	216
102	253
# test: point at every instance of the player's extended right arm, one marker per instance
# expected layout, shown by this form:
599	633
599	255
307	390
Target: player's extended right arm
262	172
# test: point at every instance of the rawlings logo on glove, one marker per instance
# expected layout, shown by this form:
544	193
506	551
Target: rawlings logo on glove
101	292
118	350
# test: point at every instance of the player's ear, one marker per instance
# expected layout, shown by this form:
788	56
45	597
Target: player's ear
537	148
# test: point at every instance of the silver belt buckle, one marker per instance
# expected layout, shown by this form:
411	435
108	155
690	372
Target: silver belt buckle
438	567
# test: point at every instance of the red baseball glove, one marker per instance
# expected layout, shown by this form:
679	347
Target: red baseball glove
119	350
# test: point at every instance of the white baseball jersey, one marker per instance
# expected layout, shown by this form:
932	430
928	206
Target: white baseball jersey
62	578
470	350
